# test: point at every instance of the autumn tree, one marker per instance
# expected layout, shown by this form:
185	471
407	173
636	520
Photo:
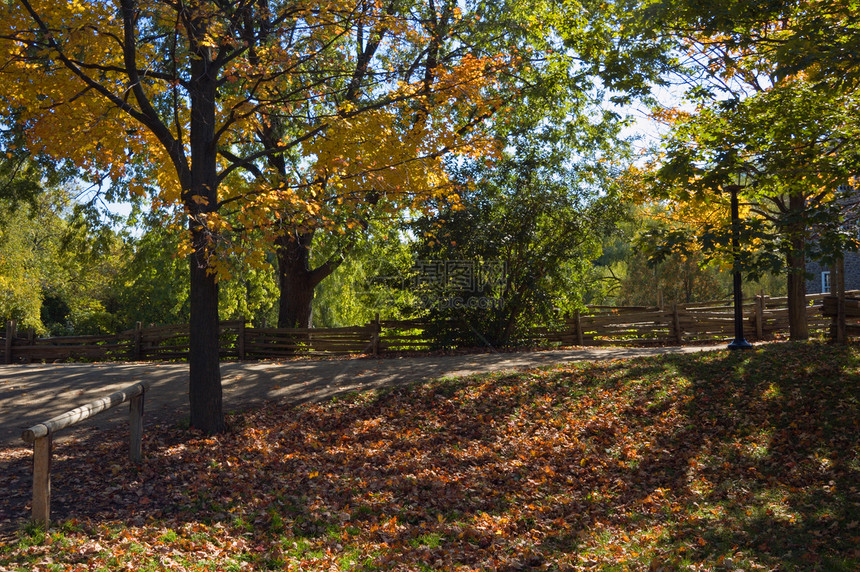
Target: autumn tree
215	96
797	145
342	210
748	109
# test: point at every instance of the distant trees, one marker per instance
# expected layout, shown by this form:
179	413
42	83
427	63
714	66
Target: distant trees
755	107
55	273
526	227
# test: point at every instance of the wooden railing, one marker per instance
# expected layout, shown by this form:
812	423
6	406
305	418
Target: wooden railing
701	322
41	436
764	318
237	341
850	312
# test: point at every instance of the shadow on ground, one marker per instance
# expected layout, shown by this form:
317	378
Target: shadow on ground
751	458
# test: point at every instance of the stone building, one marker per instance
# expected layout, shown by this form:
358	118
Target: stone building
818	276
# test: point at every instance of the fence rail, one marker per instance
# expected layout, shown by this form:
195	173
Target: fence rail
701	322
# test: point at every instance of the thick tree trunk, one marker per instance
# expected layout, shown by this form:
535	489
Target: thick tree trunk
798	327
204	383
294	278
201	199
297	280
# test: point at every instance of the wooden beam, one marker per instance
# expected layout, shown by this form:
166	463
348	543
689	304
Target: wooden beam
10	337
135	427
83	412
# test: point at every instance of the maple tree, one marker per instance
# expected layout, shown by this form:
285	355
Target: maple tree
206	104
537	73
815	37
798	145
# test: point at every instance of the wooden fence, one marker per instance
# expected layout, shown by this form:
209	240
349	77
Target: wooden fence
237	341
764	318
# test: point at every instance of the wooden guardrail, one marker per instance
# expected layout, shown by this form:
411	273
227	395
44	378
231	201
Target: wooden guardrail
41	436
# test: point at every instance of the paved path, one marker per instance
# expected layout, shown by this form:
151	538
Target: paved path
32	393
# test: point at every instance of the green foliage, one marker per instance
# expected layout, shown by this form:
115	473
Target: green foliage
152	286
538	213
652	258
48	256
792	141
755	113
368	282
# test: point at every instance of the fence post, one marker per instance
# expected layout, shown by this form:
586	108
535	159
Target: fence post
839	283
759	317
137	342
676	324
374	337
240	340
135	427
42	479
11	327
580	338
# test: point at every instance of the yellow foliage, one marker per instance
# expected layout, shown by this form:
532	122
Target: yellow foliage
380	149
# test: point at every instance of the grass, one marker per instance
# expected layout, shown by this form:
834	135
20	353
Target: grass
713	461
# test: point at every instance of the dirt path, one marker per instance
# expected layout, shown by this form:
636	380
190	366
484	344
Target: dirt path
33	393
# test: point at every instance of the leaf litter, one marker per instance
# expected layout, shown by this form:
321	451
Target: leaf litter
718	460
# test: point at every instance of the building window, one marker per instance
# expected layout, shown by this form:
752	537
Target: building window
825	282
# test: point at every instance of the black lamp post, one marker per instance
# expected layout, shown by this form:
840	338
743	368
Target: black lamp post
739	343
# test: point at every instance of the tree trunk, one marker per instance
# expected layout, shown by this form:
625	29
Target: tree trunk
297	280
295	309
204	368
798	327
201	199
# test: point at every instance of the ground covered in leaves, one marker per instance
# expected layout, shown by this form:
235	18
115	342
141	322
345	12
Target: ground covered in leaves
714	461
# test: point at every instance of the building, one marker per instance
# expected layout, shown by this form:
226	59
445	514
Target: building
818	276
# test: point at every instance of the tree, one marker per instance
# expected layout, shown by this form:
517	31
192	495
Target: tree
512	253
54	271
639	273
214	95
799	147
756	110
457	30
152	287
816	38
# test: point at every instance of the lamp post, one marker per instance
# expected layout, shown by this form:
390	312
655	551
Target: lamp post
739	343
